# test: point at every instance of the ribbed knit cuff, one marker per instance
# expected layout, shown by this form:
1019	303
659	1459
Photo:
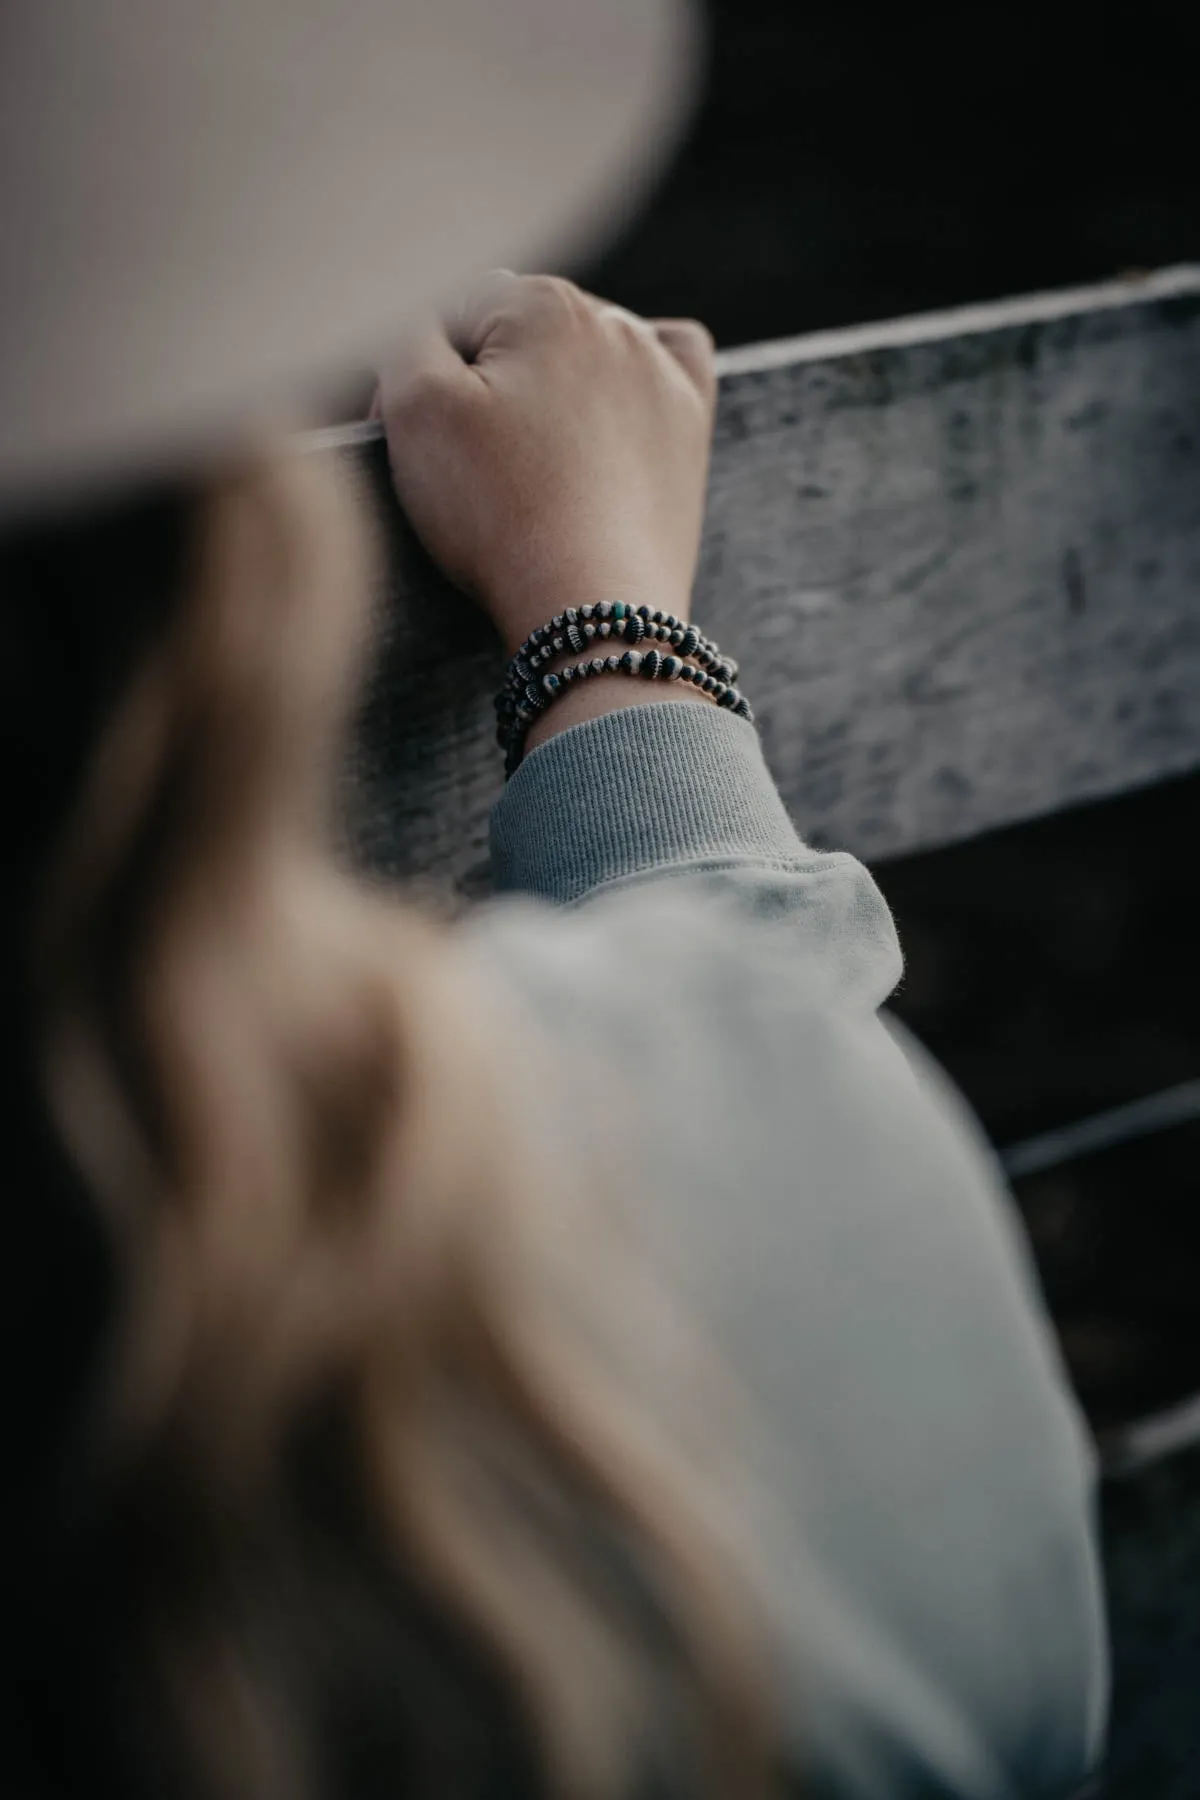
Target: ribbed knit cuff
638	789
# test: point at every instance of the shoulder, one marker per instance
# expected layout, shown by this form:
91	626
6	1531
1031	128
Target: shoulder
823	1200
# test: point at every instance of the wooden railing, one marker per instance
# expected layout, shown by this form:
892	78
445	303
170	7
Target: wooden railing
958	557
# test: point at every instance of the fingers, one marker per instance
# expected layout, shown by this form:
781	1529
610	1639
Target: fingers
506	311
470	322
688	341
424	361
608	309
437	350
692	346
498	309
503	310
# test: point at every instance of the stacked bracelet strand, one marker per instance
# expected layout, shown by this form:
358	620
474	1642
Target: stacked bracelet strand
531	688
576	629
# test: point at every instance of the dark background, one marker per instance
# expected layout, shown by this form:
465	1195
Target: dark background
853	162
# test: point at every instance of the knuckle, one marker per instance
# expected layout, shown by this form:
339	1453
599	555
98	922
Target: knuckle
635	324
554	287
554	295
706	343
697	341
693	346
629	329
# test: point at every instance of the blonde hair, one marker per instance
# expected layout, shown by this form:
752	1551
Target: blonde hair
376	1391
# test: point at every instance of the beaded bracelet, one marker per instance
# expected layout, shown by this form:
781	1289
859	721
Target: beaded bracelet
517	714
576	628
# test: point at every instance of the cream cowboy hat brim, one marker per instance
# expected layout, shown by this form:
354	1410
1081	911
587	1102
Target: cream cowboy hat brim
207	202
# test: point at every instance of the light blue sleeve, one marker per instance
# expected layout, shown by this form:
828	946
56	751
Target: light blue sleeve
830	1208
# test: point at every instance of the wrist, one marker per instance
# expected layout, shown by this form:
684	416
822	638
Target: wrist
542	675
515	617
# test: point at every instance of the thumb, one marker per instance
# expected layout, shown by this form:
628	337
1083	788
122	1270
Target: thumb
489	299
424	363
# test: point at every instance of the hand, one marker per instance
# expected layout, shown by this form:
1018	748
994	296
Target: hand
552	450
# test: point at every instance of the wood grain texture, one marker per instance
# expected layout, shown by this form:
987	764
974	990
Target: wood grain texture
958	558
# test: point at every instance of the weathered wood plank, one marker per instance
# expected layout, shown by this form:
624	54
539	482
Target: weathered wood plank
958	557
